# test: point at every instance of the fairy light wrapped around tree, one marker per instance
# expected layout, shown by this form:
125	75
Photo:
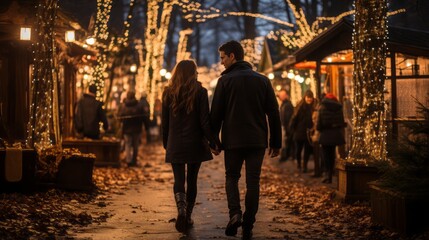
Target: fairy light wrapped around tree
43	127
369	53
101	35
158	20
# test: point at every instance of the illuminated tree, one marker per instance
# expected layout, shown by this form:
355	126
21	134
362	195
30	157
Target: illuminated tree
369	53
158	19
101	35
43	129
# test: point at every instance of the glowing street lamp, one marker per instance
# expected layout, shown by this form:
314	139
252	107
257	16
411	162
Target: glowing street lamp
70	36
133	68
167	75
25	34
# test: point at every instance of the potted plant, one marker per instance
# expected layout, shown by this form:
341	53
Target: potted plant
400	197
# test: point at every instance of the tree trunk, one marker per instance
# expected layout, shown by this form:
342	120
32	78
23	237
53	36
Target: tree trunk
249	22
369	52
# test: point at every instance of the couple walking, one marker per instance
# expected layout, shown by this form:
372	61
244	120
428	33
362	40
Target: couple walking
243	99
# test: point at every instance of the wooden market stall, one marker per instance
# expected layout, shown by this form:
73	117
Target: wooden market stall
407	70
16	75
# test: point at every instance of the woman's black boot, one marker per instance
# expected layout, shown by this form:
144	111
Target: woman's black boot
189	208
181	211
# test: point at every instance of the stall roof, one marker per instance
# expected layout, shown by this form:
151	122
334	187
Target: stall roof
273	52
339	37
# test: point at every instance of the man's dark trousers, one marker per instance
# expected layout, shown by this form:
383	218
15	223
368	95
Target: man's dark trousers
234	158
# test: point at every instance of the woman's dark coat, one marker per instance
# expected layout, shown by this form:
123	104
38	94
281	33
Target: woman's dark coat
242	101
302	121
330	123
186	136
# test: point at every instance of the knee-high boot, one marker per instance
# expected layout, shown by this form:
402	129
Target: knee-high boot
189	208
181	211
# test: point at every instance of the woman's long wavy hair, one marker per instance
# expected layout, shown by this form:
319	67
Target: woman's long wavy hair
183	86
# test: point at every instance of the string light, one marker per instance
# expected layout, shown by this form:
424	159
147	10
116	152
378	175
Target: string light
253	49
258	15
101	35
369	54
182	51
123	41
43	126
158	20
305	33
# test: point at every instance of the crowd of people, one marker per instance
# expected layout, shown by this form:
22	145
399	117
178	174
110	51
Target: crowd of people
246	113
311	128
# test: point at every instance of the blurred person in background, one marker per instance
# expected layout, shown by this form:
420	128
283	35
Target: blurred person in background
301	123
88	114
131	113
330	124
286	112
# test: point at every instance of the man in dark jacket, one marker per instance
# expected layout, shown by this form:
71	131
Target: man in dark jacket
286	112
132	114
242	101
88	115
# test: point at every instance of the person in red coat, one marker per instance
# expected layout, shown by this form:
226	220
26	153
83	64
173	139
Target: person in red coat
330	124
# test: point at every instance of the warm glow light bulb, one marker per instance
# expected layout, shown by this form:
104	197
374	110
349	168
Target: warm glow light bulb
90	41
167	75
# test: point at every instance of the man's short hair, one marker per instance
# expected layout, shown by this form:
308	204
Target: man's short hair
233	47
92	89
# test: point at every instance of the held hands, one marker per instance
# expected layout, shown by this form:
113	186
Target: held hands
215	151
274	152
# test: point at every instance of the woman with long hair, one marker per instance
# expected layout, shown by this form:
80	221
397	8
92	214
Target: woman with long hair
187	137
302	122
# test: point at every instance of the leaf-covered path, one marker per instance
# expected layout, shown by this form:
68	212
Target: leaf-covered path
137	203
292	206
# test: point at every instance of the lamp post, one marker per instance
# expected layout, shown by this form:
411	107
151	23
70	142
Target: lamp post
133	70
162	72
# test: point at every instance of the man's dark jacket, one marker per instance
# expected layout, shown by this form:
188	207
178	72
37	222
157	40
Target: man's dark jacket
241	103
88	113
132	114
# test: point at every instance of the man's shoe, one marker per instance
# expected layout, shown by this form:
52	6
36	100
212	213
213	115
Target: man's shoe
233	224
247	234
132	164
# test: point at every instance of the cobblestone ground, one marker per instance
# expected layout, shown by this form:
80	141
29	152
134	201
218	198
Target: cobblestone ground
292	206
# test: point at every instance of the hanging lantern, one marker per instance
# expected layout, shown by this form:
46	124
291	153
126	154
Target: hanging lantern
25	34
70	36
